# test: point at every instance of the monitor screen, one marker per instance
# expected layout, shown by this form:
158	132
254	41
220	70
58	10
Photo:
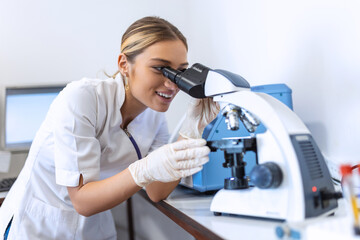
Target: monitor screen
25	110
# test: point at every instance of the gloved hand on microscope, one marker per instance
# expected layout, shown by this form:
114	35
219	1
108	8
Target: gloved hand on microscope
182	158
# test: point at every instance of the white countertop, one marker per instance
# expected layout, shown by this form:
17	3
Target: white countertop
197	206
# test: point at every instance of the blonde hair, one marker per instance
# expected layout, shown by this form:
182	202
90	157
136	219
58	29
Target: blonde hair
145	32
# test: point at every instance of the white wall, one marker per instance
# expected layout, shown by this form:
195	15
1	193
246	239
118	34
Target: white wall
313	46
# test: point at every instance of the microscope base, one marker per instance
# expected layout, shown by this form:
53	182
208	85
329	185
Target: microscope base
251	202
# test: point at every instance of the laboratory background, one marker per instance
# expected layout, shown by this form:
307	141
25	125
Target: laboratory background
311	46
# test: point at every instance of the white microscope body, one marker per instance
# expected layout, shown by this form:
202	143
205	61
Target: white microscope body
291	179
290	200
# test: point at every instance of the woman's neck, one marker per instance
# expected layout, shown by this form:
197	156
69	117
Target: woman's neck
130	109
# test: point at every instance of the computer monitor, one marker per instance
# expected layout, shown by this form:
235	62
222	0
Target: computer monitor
24	109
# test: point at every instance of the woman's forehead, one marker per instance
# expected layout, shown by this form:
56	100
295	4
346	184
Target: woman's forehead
165	62
166	51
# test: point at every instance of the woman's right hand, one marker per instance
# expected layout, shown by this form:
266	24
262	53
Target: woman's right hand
171	162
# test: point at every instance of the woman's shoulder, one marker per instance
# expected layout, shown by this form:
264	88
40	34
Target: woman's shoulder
103	88
93	83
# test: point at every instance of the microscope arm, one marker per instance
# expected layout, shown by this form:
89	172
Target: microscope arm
280	122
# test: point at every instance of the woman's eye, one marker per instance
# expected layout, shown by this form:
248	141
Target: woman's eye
158	68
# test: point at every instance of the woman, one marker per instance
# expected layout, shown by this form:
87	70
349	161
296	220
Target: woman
83	159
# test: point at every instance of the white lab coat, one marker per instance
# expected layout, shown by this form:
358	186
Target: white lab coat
80	135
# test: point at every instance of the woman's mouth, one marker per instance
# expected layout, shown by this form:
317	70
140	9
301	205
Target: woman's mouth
164	95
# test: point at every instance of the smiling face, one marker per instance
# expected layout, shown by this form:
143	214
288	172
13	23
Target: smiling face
147	85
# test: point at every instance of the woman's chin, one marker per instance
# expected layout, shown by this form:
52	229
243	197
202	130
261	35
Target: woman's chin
160	107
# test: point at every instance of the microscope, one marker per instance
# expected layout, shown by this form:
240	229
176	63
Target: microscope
290	180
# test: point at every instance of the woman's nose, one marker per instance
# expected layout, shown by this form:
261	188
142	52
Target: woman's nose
169	84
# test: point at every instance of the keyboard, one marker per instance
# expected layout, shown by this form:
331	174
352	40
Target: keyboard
6	183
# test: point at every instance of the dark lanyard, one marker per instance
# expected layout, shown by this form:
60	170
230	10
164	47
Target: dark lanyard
8	229
134	143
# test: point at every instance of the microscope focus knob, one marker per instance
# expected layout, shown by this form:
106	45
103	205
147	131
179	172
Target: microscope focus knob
267	175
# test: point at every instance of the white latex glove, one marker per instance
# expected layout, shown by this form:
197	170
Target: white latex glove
199	114
171	162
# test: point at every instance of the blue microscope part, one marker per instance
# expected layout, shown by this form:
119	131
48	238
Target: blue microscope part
287	233
212	176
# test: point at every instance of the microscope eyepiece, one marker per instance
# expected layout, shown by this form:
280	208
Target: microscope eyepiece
191	80
170	73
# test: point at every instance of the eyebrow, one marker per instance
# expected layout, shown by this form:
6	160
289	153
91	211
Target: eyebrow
167	62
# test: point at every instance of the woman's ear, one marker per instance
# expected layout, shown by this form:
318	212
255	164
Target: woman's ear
123	65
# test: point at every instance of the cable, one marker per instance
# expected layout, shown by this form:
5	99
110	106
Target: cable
336	181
